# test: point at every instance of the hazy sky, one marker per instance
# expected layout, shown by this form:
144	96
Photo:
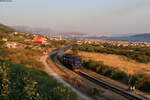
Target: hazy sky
92	16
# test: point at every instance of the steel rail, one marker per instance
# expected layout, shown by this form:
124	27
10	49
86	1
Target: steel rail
112	87
119	90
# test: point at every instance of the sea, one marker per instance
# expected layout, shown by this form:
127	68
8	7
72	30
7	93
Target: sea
137	39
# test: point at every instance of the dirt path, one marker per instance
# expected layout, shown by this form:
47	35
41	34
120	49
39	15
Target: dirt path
50	71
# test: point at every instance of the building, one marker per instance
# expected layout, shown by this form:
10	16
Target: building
11	44
4	39
15	33
39	39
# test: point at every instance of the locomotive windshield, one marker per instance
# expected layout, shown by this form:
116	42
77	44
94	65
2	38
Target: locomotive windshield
78	61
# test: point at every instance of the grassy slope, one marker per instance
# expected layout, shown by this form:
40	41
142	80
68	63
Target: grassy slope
6	29
140	54
20	83
118	61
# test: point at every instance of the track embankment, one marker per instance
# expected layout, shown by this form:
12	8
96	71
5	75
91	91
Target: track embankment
84	85
51	70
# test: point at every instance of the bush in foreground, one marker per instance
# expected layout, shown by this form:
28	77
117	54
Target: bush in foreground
20	83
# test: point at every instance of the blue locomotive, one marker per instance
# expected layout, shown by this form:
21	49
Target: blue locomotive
69	60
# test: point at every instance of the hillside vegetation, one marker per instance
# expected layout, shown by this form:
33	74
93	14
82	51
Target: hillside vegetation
21	75
28	57
20	83
6	29
145	35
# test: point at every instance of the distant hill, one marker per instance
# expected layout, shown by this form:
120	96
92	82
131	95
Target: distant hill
33	30
6	29
74	33
144	35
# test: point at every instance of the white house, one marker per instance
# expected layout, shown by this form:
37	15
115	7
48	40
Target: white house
11	44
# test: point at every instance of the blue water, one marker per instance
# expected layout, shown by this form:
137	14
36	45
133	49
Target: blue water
139	39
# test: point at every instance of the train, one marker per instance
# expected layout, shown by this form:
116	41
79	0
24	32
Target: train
69	60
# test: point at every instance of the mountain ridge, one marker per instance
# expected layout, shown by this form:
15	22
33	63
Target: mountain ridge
6	29
33	29
143	35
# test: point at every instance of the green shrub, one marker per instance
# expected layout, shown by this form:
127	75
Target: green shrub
2	42
20	83
27	57
120	76
143	82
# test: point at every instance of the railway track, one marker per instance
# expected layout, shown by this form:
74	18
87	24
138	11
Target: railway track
112	87
119	90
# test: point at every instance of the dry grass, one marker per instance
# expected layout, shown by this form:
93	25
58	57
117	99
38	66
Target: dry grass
121	62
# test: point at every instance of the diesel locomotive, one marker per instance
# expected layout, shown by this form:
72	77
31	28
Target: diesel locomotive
69	60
